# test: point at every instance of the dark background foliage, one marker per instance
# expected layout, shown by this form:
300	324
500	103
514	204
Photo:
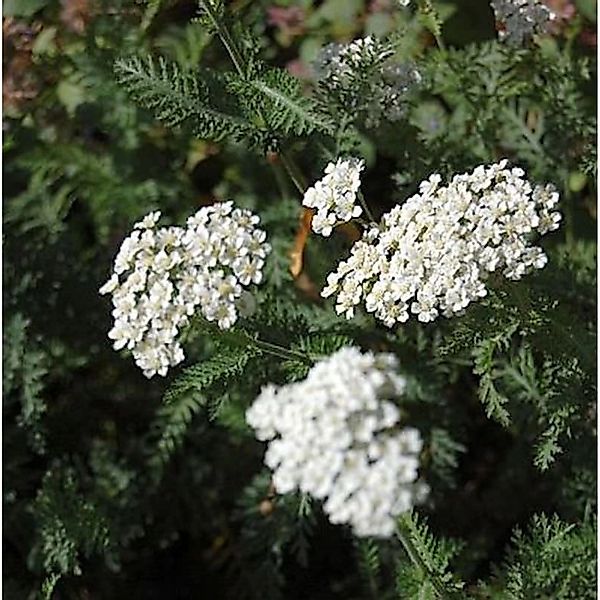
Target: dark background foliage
111	492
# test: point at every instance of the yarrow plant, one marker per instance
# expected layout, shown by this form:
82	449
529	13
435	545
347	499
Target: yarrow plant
345	435
162	276
519	20
336	435
433	253
334	196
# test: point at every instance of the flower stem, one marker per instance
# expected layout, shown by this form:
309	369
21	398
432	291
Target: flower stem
236	58
281	352
224	35
366	208
294	172
430	19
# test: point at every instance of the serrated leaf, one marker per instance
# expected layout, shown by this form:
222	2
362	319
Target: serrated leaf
177	97
192	391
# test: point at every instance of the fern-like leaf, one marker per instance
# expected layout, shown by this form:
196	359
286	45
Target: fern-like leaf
484	366
277	97
554	560
176	97
69	524
427	576
196	387
369	564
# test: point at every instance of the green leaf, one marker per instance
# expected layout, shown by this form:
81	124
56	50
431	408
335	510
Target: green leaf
369	564
177	97
427	574
484	366
554	560
277	97
196	387
69	523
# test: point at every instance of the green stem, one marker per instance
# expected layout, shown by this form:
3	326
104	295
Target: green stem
405	539
294	172
236	58
367	210
439	41
432	23
242	338
224	35
281	352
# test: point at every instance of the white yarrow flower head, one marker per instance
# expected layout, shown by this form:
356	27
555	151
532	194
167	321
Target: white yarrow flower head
337	436
519	20
334	196
432	254
162	276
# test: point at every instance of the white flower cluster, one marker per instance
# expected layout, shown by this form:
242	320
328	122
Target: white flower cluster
521	19
336	436
364	80
433	253
163	275
334	196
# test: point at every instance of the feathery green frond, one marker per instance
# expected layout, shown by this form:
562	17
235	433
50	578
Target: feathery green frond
177	97
270	525
484	365
210	14
70	525
445	454
24	370
432	578
553	560
196	387
369	565
287	110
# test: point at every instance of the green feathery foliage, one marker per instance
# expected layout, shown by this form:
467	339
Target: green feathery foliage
69	524
553	560
177	97
445	454
24	369
484	365
428	575
276	96
198	386
369	565
270	525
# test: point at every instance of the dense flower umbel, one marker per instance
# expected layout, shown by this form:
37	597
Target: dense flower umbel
364	78
519	20
163	275
334	196
336	436
433	253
